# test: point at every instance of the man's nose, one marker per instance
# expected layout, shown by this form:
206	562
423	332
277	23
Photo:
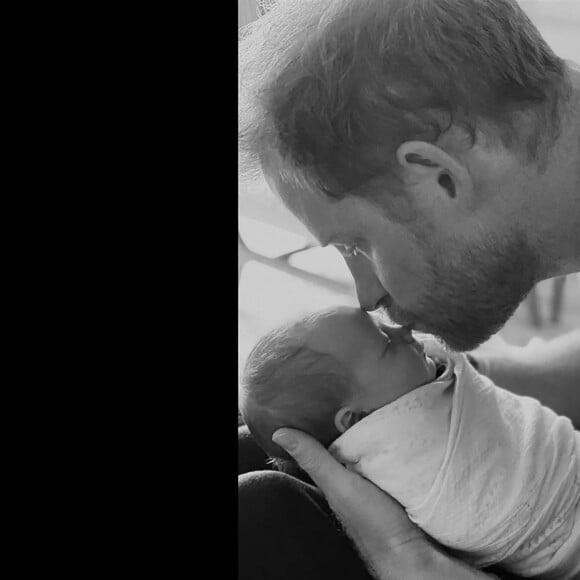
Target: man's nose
369	290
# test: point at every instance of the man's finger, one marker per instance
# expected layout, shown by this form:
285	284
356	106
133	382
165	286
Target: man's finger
310	456
348	492
367	513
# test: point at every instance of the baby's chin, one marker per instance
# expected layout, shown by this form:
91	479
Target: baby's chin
431	368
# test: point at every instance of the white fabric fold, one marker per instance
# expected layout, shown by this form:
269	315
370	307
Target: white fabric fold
492	475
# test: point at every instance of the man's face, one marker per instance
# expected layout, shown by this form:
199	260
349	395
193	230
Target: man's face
386	361
460	282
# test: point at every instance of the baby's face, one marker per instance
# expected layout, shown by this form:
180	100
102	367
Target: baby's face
386	360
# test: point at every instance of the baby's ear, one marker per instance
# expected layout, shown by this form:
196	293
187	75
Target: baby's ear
345	418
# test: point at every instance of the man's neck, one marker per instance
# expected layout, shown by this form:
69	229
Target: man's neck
573	209
560	209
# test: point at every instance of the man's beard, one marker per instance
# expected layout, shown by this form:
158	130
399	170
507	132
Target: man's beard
474	293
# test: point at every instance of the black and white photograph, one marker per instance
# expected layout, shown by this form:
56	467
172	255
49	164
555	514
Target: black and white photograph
408	289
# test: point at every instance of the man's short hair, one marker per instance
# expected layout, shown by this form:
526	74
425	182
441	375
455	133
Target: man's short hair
333	87
288	384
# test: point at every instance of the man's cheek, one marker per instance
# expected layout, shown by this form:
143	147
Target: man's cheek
405	277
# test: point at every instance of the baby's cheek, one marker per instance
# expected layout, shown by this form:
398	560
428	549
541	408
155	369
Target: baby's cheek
384	392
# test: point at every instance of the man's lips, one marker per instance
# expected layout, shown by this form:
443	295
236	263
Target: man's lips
404	319
415	325
396	314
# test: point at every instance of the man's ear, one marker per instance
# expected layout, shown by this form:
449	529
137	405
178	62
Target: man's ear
345	418
428	168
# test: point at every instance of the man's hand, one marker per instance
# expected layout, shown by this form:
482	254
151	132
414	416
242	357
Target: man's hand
548	370
390	544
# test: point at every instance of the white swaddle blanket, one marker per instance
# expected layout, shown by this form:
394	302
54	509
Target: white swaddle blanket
492	475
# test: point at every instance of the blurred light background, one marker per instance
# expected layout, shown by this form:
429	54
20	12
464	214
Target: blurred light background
276	284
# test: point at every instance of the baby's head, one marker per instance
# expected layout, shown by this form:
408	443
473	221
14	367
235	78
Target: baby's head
327	371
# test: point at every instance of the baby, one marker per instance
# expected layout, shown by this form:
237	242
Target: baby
493	476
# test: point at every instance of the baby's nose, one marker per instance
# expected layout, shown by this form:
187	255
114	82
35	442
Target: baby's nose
405	334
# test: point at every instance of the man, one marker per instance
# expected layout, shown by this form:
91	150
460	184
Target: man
436	144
